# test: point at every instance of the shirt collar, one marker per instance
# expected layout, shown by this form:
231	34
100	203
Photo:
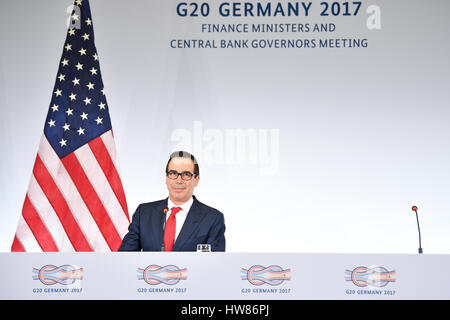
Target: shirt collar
184	207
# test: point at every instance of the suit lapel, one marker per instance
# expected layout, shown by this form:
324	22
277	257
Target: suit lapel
193	219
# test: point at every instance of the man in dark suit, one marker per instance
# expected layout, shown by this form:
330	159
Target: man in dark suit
179	222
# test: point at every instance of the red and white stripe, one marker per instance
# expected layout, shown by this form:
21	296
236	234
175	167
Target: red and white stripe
76	203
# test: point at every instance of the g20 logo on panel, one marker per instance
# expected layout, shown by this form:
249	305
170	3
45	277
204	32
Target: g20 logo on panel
370	276
63	275
374	281
272	275
169	275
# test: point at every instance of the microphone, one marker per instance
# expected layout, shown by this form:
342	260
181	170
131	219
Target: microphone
414	208
165	210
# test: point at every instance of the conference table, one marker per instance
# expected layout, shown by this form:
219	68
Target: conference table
218	275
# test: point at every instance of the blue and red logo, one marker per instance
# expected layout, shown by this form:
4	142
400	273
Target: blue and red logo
65	274
370	276
273	275
155	274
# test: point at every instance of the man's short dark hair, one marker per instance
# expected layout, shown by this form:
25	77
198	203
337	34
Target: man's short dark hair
184	154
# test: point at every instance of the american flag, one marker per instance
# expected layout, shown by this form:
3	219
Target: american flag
75	200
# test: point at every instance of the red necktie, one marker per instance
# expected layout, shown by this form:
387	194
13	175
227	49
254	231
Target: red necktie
169	233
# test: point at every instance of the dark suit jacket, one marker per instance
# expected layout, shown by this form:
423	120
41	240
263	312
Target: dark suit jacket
203	225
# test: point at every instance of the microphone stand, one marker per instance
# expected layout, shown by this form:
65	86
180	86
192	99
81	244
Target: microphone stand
418	227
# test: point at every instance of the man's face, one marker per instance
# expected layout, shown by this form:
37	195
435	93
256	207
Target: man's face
181	190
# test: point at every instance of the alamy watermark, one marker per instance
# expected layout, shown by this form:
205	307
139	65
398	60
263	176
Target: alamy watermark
251	146
74	19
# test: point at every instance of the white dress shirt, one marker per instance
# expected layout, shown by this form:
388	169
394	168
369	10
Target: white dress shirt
180	216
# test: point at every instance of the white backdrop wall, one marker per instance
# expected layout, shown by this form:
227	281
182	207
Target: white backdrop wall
302	149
